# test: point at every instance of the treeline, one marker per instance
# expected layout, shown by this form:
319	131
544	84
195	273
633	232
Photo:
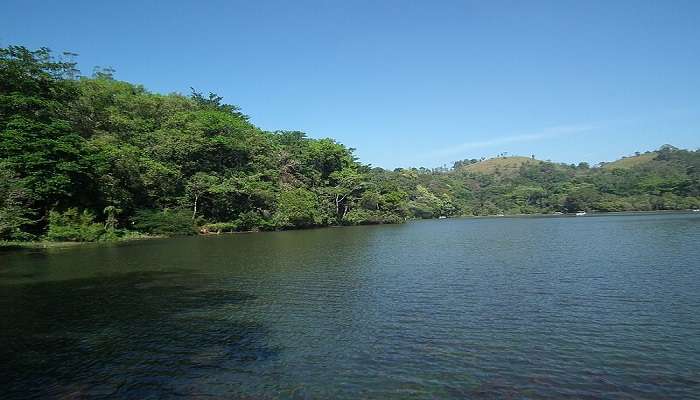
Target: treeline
94	158
666	179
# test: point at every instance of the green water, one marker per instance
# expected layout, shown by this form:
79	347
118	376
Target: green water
569	307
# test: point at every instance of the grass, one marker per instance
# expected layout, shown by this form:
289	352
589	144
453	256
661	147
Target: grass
9	245
43	244
500	165
630	162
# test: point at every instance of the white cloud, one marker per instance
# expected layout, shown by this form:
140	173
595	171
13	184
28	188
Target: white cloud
548	133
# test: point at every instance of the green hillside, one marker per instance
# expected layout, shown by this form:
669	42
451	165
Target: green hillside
631	162
94	158
500	165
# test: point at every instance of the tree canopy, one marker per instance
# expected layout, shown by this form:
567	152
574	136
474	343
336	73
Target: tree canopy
89	158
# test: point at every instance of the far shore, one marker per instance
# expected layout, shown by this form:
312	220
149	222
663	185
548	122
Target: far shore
588	213
43	245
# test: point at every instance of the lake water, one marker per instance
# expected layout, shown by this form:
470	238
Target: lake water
540	307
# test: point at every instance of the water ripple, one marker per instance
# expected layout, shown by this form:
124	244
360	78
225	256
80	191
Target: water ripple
530	308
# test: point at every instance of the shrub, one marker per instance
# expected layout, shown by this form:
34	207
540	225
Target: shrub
360	216
220	227
611	203
166	222
14	212
253	221
297	208
73	226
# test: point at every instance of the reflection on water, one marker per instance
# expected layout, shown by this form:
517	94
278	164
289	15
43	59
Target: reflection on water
125	335
599	307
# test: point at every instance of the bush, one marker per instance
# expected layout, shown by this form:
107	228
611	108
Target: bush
14	212
73	226
670	201
360	216
611	203
112	235
220	227
253	221
297	208
166	222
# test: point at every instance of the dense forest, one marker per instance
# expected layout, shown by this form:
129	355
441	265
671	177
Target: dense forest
95	158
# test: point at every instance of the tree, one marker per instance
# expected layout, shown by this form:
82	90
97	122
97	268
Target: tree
37	142
347	184
14	213
581	198
80	152
111	213
199	186
298	207
426	204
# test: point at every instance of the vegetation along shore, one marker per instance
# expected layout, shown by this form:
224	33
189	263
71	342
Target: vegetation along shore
87	159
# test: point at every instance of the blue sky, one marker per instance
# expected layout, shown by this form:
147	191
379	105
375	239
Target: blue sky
408	83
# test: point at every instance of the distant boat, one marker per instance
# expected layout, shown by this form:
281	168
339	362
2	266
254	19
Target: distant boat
579	213
696	210
442	217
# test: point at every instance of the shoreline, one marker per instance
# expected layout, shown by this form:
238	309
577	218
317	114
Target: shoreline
588	214
47	245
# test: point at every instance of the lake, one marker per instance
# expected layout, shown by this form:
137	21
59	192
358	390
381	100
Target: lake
601	306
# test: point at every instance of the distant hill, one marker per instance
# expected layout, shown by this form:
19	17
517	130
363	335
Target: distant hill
95	159
508	166
630	162
500	165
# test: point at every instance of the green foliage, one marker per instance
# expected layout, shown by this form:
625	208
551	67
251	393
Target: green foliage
73	226
166	222
123	154
426	204
37	141
199	186
218	227
298	207
581	198
253	221
111	213
361	216
14	214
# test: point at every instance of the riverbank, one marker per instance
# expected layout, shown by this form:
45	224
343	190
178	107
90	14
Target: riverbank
37	245
43	244
587	214
11	245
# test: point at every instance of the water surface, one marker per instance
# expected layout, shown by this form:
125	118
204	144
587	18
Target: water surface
584	307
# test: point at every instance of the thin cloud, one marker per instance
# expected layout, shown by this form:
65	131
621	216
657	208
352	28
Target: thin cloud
548	133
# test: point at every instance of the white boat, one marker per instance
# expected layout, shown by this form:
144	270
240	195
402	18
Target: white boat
580	213
696	210
442	217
